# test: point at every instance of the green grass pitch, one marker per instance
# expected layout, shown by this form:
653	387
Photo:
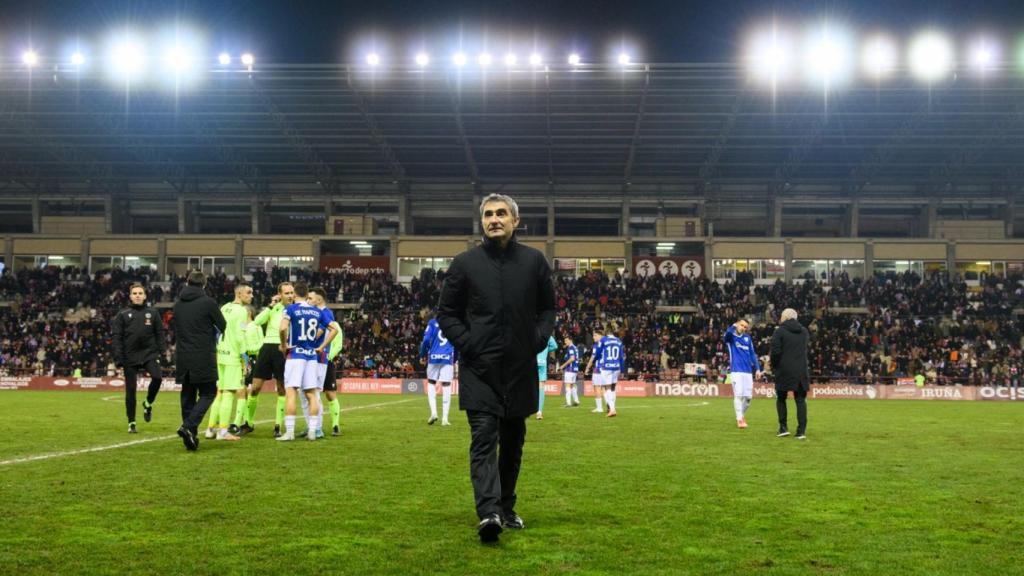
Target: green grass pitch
668	487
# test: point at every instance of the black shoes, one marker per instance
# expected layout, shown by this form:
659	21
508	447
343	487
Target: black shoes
277	431
512	521
245	429
336	431
489	528
188	439
131	428
233	429
801	436
782	433
147	411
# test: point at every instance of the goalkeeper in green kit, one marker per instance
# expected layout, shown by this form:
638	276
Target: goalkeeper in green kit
232	359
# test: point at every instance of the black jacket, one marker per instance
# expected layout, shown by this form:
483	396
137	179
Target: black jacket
789	356
138	336
197	318
497	308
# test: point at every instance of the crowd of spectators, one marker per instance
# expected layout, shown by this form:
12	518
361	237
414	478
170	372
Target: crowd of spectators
56	321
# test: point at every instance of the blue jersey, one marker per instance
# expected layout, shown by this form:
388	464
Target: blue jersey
328	318
612	355
571	353
742	356
542	356
435	346
306	327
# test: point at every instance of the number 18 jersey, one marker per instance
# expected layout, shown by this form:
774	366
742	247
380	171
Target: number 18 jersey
305	330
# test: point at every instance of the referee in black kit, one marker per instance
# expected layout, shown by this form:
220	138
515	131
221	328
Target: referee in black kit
197	322
138	341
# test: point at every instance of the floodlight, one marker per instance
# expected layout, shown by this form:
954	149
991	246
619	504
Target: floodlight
770	56
30	58
623	59
373	59
574	59
484	59
931	56
248	59
422	59
78	59
536	59
459	59
827	56
510	59
879	58
224	58
984	55
127	58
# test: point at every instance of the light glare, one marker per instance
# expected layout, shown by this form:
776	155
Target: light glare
373	59
879	58
30	58
459	59
828	57
485	60
510	59
248	59
422	59
931	56
536	59
78	59
574	59
224	58
624	59
770	57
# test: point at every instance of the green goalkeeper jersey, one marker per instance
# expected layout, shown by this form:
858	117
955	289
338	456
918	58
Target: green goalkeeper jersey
232	342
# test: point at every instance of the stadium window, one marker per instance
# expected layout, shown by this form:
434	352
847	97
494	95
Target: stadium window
45	261
852	268
101	263
409	268
208	264
267	263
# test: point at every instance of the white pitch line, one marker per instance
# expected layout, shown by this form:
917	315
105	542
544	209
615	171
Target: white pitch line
630	407
51	455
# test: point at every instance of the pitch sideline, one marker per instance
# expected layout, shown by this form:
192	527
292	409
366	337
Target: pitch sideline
51	455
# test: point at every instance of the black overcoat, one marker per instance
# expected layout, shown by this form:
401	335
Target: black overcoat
789	356
497	308
197	320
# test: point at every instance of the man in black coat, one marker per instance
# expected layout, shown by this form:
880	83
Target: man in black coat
497	308
138	341
789	362
197	323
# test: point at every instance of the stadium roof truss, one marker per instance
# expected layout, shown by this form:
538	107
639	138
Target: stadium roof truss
700	130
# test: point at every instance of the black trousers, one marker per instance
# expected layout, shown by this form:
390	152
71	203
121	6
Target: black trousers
196	398
800	395
495	455
131	378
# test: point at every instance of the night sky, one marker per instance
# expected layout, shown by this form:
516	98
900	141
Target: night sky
308	31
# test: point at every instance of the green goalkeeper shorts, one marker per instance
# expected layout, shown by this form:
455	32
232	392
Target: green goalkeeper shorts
230	376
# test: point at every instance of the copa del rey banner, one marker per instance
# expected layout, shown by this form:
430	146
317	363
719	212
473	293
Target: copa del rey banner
690	267
358	265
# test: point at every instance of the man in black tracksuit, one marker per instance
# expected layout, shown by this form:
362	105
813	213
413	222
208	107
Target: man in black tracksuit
138	345
789	363
197	322
497	307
